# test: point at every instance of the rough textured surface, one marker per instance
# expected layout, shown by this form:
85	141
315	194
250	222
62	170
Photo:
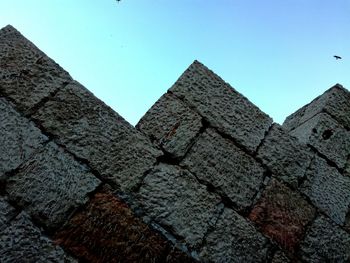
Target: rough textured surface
50	185
335	101
7	212
323	133
222	106
94	132
325	242
328	190
218	162
107	231
171	124
21	241
24	67
173	198
234	240
19	138
282	215
280	257
284	155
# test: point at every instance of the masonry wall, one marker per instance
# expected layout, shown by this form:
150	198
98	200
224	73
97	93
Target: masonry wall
205	175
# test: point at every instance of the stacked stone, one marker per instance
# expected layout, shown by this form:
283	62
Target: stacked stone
205	176
66	162
262	194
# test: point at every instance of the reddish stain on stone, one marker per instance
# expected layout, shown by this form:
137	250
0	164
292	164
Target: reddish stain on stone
282	215
107	231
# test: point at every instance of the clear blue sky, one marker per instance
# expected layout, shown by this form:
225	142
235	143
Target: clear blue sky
279	54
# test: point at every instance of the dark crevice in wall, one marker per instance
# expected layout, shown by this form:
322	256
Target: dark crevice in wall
263	140
329	162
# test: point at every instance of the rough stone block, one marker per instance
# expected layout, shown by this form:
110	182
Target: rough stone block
174	198
284	155
325	242
27	75
327	189
218	162
7	212
282	215
234	239
335	102
19	138
222	106
50	185
107	231
94	132
171	124
327	137
280	257
21	241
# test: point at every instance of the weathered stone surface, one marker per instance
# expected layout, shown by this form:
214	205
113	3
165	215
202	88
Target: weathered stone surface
171	124
222	106
6	213
218	162
93	131
174	198
327	189
325	242
280	257
335	101
108	231
27	75
19	138
282	215
50	185
284	155
234	240
21	241
327	136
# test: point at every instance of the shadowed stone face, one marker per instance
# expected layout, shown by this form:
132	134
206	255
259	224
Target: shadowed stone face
234	240
94	132
50	185
21	241
171	124
218	162
19	138
325	242
174	198
24	68
222	106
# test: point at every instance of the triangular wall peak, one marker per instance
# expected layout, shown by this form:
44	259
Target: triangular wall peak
204	177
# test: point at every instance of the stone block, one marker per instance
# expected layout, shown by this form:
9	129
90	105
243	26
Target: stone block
21	241
94	132
234	239
325	242
50	185
218	162
282	215
327	137
280	257
327	189
284	155
19	138
222	106
7	212
335	102
107	231
27	75
171	124
174	199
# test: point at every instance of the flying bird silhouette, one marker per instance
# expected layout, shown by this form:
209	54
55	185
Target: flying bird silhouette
337	57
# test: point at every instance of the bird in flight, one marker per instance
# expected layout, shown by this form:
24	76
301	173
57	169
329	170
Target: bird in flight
337	57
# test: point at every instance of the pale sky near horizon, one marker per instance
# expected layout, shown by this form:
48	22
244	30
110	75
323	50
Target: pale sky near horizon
279	54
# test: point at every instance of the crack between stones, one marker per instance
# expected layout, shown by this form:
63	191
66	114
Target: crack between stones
329	162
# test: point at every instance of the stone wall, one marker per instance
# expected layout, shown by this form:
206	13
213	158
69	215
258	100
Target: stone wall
204	177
